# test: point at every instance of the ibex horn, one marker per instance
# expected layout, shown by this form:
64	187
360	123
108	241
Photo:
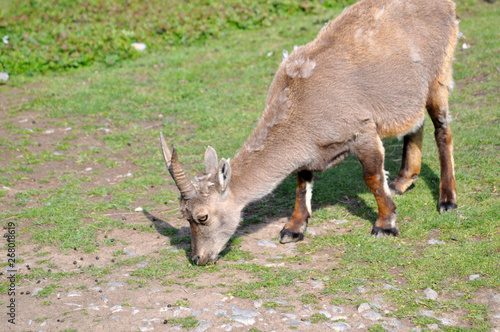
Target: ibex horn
186	187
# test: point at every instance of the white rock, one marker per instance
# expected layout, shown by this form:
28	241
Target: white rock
139	209
74	293
4	77
339	326
430	293
363	307
139	46
434	241
474	276
264	243
372	315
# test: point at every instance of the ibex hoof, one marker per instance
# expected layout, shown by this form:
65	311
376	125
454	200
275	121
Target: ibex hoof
287	236
380	232
446	206
394	191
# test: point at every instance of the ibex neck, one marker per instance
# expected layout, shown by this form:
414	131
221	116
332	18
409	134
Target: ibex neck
255	174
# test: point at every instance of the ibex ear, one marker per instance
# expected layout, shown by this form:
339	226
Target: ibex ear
224	174
211	161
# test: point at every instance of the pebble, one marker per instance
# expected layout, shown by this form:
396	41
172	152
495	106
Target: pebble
290	315
339	326
361	289
220	312
495	297
427	313
341	221
117	318
243	320
114	284
337	309
116	308
270	311
139	46
363	307
430	293
446	321
434	241
36	291
474	276
244	312
326	313
4	77
143	264
293	323
433	327
311	231
317	284
257	303
372	315
138	209
130	253
92	306
396	323
264	243
146	328
203	327
74	293
387	286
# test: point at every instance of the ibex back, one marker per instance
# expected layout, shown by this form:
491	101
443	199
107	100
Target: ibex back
368	75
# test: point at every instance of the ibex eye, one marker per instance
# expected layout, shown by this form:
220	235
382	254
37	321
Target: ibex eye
203	218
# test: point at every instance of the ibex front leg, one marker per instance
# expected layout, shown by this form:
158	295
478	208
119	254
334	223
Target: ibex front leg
295	227
370	152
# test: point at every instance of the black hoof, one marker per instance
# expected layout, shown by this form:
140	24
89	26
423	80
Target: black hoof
287	236
393	189
446	206
380	232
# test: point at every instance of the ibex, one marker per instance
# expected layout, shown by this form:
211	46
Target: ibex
368	75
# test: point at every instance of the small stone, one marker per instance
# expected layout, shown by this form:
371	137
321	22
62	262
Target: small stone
270	311
446	321
143	264
88	169
433	327
317	284
430	293
257	303
341	221
339	326
220	312
114	284
243	320
265	243
50	131
203	327
74	293
290	315
474	276
146	328
139	46
311	231
116	308
4	77
434	241
387	286
117	318
293	322
130	253
360	289
139	209
36	291
244	312
93	307
363	307
396	323
427	313
372	315
337	309
495	297
325	313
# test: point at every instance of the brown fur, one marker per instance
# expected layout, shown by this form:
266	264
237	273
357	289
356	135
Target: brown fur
369	74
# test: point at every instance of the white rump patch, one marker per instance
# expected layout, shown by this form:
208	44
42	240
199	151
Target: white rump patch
309	188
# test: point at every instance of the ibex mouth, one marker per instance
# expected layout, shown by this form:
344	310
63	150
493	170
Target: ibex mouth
207	260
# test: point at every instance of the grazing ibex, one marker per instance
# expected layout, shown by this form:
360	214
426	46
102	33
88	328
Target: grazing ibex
368	75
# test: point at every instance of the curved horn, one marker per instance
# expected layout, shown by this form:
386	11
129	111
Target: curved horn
186	187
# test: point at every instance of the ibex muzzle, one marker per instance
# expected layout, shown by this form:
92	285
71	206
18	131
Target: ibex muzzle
368	75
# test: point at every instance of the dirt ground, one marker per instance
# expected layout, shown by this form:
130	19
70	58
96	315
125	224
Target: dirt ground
110	303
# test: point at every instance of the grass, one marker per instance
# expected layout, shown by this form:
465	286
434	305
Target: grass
210	91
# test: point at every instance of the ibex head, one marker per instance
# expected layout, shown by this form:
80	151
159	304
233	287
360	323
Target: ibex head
206	203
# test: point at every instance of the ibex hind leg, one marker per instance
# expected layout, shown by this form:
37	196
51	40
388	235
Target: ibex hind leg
437	106
370	152
410	163
295	227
